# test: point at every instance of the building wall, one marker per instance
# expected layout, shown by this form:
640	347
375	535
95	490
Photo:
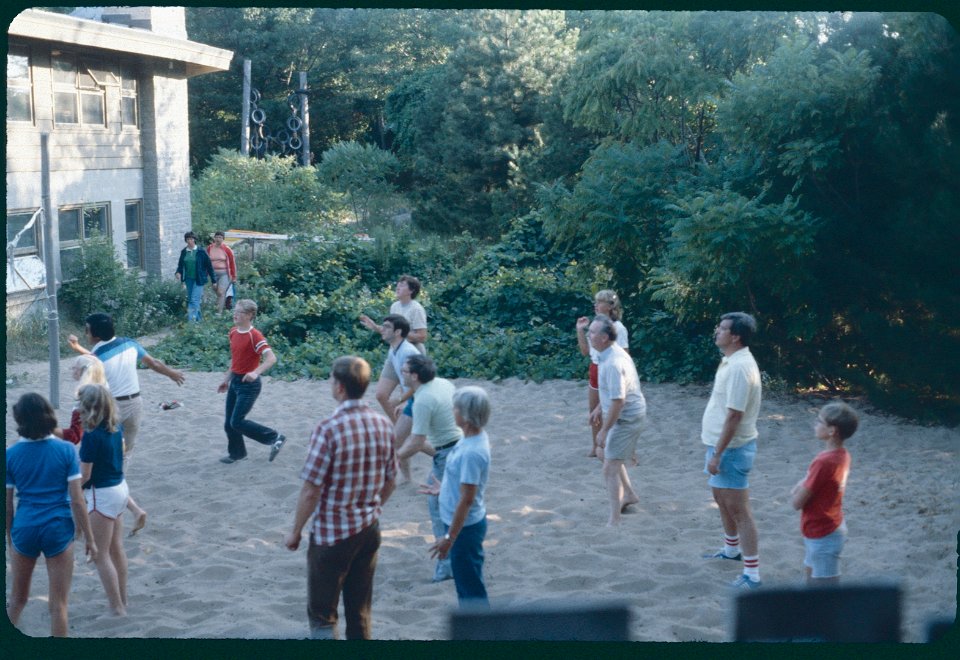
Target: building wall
114	163
165	138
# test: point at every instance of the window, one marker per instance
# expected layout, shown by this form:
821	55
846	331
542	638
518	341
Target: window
134	212
16	221
78	223
79	94
129	114
19	85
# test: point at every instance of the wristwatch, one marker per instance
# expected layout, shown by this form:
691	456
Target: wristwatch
447	537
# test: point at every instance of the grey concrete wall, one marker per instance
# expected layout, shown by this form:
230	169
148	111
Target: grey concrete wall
165	137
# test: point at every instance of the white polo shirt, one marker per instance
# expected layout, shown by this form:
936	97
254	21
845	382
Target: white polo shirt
120	356
736	386
618	379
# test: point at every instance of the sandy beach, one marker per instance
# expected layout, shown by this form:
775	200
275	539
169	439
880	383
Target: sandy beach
210	563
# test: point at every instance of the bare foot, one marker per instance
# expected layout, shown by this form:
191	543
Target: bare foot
593	453
627	501
139	524
613	523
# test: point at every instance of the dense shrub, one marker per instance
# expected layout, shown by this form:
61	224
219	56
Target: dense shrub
495	311
101	284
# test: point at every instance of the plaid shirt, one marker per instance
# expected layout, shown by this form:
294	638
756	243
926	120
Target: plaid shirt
351	456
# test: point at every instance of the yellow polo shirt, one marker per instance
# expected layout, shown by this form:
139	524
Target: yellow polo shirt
736	386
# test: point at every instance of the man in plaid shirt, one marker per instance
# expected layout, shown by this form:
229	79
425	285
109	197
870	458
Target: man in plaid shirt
350	472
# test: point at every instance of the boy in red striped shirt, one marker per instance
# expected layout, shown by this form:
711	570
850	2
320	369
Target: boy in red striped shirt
251	356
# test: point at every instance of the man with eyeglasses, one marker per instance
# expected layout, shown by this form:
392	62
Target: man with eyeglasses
729	430
435	433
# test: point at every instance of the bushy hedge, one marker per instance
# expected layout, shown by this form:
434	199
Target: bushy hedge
139	305
495	311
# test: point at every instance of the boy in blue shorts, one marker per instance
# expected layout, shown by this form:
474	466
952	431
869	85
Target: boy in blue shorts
819	495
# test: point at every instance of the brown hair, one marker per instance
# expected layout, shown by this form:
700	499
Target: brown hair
353	373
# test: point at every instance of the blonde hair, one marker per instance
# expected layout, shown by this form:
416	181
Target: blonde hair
92	372
611	298
247	306
97	408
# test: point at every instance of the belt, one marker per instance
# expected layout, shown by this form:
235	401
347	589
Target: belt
127	397
449	444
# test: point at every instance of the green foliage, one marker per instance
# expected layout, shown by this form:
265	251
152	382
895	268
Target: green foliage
726	250
102	284
801	166
270	194
362	174
462	126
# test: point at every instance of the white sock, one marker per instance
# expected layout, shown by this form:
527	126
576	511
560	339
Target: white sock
751	567
731	545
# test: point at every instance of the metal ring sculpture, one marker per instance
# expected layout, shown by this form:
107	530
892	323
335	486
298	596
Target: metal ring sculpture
286	141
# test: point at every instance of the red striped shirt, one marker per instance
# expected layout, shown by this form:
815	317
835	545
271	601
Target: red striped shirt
351	457
246	349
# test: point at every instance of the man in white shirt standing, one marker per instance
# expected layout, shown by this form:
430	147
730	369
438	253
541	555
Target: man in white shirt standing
622	410
729	430
408	288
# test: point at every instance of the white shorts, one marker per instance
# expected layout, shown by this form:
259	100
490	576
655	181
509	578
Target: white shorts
108	502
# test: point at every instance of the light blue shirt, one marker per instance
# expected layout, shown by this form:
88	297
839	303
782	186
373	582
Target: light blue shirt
467	463
398	356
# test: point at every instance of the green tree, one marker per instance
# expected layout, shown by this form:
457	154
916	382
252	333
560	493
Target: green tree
362	174
461	126
272	195
352	58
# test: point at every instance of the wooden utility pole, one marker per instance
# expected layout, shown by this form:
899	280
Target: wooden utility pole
51	258
245	112
304	121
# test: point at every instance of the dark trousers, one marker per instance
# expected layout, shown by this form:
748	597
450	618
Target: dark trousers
347	567
466	559
240	399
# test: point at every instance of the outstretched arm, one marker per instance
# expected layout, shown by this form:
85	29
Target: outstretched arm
369	323
158	366
582	324
75	345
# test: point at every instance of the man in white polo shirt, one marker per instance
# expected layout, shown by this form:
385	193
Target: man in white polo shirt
120	356
622	411
729	430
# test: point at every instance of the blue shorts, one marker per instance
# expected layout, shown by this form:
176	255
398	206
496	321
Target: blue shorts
51	538
735	465
408	409
823	554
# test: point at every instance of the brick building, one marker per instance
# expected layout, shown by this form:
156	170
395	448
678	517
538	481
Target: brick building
109	87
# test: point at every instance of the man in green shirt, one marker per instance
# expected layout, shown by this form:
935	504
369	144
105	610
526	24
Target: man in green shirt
435	433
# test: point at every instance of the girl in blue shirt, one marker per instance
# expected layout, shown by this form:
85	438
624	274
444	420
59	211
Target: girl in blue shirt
46	477
106	492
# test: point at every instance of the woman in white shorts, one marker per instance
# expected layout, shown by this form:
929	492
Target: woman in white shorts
105	489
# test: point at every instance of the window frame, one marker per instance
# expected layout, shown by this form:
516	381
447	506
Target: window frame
128	74
75	244
17	50
136	235
86	85
30	250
